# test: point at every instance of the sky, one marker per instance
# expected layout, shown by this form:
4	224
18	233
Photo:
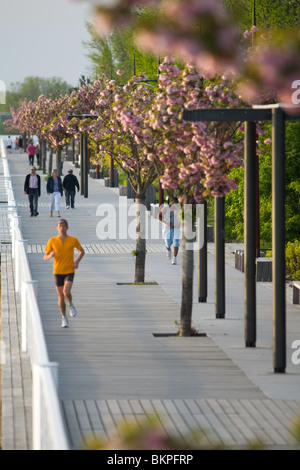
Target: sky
43	38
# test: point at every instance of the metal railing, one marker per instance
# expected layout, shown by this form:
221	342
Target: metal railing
48	426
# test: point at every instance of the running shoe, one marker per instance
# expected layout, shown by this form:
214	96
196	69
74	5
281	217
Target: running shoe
72	311
64	322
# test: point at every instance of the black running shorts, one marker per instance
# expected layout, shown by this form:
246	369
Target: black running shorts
61	278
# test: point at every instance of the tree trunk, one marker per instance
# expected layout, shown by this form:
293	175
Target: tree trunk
44	154
112	173
50	161
58	161
187	278
140	260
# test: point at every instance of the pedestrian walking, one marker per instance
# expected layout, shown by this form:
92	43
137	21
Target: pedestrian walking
55	191
20	144
70	183
32	187
31	149
8	144
170	217
61	249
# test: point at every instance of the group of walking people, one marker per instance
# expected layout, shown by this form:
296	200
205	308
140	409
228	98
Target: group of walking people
55	188
61	248
32	150
18	144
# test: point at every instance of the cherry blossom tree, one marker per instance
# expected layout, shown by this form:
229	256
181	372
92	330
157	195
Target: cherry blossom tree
119	132
22	118
194	159
46	118
143	130
202	32
56	124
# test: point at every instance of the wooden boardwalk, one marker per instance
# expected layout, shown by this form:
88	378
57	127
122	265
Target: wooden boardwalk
113	367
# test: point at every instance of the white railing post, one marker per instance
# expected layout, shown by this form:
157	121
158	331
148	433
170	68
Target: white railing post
36	408
21	248
42	379
15	224
24	311
47	422
54	370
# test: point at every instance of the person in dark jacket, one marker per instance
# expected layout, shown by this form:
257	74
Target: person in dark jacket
32	187
70	183
55	191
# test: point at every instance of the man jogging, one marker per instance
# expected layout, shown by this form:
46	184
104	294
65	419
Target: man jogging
61	248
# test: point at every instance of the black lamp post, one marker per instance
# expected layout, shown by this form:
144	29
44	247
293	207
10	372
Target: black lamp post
277	115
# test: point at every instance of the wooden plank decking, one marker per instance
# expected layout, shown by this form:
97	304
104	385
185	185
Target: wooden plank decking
111	366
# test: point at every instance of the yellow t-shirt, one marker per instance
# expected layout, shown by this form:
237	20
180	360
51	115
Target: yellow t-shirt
64	253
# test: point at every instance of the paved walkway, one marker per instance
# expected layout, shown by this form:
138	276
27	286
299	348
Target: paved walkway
113	366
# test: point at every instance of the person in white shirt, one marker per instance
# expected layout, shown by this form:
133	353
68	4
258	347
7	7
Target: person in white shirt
9	144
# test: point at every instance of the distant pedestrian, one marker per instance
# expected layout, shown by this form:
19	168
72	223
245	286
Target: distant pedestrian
32	187
61	249
31	149
9	144
70	183
55	191
20	144
170	217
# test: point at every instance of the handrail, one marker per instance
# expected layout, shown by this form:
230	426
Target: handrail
47	422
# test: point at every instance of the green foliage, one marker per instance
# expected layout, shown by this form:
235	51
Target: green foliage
119	52
292	257
234	208
32	87
269	13
235	199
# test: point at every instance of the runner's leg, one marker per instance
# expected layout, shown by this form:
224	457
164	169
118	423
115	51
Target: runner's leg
61	300
67	291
